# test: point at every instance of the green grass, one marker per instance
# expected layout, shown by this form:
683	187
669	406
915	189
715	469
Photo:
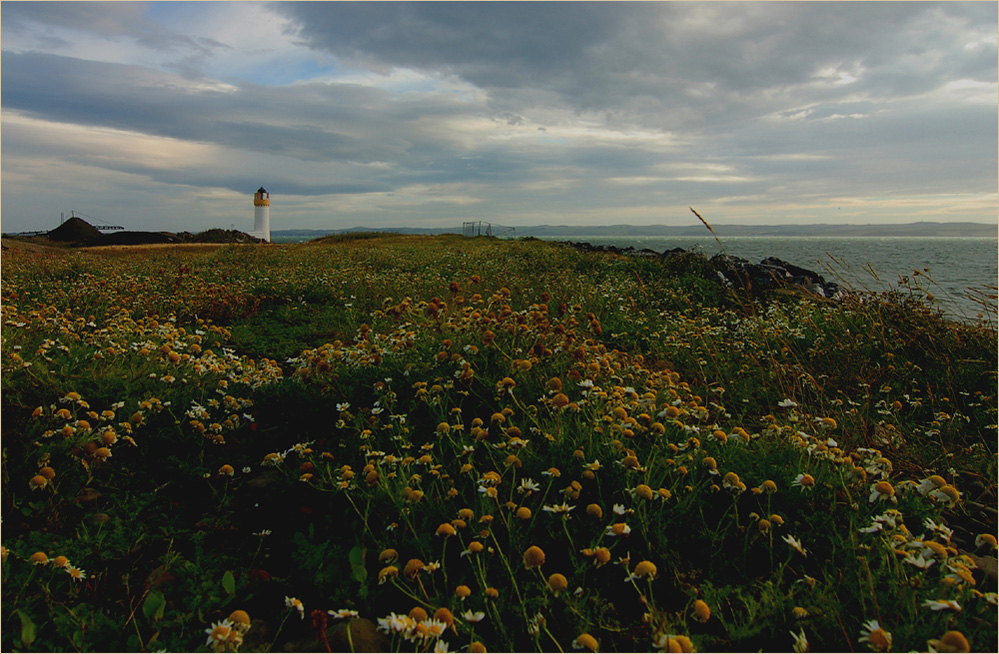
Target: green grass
279	419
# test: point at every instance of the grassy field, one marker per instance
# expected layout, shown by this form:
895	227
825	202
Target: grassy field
442	444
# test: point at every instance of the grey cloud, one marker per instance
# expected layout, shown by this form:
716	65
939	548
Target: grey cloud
313	123
112	20
254	118
102	18
642	58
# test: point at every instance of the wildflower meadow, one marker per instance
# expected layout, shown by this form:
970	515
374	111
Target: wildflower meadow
410	443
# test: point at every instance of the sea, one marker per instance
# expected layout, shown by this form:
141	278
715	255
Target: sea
957	275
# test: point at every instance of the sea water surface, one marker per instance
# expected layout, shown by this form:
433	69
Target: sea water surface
960	273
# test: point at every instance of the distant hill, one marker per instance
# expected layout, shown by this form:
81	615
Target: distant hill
920	229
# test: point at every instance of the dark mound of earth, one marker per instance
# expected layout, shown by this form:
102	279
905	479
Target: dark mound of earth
79	231
76	230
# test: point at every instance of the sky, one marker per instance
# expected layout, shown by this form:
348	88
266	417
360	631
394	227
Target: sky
169	115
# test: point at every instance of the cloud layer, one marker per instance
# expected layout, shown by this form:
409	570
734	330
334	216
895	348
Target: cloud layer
169	115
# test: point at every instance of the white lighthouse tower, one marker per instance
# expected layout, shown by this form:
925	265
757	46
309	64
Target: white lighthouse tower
262	214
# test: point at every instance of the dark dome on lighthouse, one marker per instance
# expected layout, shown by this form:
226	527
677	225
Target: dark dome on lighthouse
262	190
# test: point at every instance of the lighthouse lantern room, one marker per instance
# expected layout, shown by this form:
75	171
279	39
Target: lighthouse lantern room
262	215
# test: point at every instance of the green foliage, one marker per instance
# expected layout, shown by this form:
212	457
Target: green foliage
373	422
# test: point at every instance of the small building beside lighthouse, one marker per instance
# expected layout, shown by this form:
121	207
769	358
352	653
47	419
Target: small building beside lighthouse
262	214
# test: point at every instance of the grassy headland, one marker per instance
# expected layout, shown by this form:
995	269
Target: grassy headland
406	442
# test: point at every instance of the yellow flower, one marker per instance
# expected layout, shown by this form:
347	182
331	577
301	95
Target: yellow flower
939	551
295	603
952	641
702	612
986	539
618	529
218	634
769	486
240	620
462	591
418	613
387	573
534	557
799	612
227	470
492	593
585	641
643	492
39	558
557	583
673	643
388	555
947	494
445	530
930	483
804	480
646	569
524	513
882	491
876	638
444	615
413	567
38	482
594	510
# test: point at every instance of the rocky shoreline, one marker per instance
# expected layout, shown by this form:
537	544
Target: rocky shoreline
734	272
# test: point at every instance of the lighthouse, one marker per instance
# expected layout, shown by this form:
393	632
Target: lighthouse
262	214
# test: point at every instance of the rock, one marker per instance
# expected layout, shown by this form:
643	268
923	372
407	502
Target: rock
675	252
770	274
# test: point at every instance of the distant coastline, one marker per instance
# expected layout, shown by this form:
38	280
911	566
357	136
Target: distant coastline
918	229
